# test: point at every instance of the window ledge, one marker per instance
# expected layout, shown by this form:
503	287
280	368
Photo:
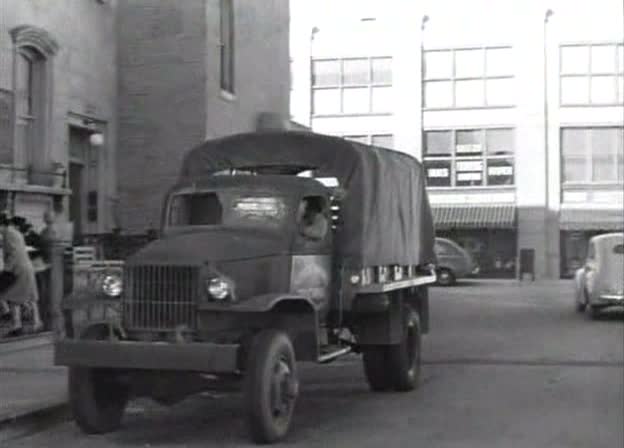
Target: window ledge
443	109
365	114
35	189
586	105
473	189
227	96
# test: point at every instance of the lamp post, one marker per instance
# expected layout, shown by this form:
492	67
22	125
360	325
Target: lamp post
423	23
547	243
313	32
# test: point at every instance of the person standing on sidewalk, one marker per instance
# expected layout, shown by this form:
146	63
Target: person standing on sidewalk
23	291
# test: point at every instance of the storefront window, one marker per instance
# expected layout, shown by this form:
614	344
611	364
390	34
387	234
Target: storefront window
469	158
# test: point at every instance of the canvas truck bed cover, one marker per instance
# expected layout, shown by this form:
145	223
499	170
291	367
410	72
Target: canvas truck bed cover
386	218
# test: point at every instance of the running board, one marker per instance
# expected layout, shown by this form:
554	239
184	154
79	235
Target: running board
328	357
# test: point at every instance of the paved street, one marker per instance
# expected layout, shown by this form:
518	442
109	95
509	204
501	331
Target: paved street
506	366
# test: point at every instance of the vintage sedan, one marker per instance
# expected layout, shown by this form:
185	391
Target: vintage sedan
453	262
600	282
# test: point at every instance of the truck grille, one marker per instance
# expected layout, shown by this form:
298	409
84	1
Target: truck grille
160	298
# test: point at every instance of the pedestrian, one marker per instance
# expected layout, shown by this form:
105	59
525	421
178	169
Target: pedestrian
23	291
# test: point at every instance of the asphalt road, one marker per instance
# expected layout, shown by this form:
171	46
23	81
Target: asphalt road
506	366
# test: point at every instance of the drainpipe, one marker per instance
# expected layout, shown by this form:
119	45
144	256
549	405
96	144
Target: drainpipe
547	254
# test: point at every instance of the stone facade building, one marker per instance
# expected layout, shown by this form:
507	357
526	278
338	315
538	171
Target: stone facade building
99	99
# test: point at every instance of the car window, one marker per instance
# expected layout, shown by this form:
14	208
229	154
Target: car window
591	251
443	248
618	249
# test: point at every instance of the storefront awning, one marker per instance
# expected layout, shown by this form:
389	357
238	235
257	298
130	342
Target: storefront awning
591	219
502	216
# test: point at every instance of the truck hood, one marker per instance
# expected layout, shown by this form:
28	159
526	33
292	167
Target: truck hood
199	246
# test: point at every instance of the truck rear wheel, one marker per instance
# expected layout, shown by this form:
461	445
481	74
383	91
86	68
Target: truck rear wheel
395	366
96	399
271	386
404	358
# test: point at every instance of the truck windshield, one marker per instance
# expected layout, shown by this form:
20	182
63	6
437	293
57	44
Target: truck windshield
226	208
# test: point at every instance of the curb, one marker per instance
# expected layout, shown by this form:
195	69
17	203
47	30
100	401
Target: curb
15	427
26	342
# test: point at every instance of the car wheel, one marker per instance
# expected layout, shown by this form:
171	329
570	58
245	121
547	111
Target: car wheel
271	386
375	358
446	277
404	358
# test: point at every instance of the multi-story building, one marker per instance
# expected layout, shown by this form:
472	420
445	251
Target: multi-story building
99	99
515	109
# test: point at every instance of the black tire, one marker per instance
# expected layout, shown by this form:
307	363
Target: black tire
594	312
374	358
404	358
446	277
96	399
396	366
271	386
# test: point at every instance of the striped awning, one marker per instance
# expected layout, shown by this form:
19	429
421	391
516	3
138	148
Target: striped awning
591	219
502	216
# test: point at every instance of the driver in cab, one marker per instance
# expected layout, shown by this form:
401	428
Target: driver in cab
312	222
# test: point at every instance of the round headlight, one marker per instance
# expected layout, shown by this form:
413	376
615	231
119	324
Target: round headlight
218	288
112	285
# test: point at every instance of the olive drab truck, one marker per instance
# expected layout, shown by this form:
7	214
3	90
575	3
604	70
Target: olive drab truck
275	248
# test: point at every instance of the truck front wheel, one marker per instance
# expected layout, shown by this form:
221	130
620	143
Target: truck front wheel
97	399
271	386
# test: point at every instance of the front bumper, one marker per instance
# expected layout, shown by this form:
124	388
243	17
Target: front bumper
610	299
190	357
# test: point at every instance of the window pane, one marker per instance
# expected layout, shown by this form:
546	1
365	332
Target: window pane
603	89
469	93
382	70
355	71
438	94
573	142
385	141
499	141
603	59
326	101
438	143
326	73
603	148
620	52
438	173
382	99
355	100
357	138
574	169
574	90
620	97
575	59
500	172
498	62
469	63
619	151
469	173
500	92
469	142
438	64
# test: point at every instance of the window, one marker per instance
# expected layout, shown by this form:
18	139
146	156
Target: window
464	78
226	45
29	102
469	157
352	86
381	140
592	74
592	155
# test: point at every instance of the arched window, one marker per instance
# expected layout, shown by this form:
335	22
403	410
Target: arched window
34	49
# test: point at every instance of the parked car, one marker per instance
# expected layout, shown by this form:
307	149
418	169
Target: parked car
600	282
453	262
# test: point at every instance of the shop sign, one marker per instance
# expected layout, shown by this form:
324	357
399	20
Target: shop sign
438	172
468	176
471	165
500	171
468	148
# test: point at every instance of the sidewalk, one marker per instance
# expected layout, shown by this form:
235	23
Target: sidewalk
30	385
